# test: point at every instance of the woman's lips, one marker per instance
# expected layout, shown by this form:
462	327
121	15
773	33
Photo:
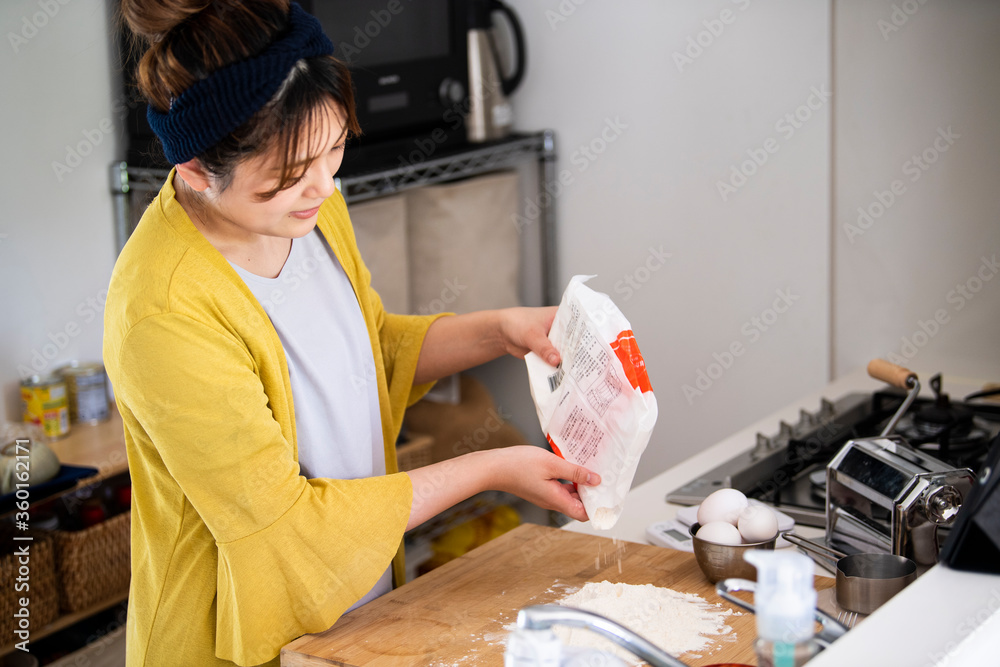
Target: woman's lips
305	215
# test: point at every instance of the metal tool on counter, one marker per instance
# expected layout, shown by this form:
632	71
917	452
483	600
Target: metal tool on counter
543	617
884	495
831	629
864	581
847	618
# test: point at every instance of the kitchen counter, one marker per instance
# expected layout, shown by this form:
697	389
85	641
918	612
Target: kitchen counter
461	613
940	619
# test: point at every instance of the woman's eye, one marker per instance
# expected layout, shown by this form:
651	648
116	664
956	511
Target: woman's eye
338	147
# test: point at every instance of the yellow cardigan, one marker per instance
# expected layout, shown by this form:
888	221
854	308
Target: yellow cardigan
234	553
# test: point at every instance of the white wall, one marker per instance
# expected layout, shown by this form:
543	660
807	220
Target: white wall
655	186
56	235
900	77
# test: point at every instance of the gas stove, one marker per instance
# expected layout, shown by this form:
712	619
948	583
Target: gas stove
788	469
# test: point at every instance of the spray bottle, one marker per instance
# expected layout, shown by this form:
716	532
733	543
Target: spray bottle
785	601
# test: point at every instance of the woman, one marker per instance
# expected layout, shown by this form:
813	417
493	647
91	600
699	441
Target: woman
266	500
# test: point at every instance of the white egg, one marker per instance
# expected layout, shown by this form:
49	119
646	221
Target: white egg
758	523
720	532
723	505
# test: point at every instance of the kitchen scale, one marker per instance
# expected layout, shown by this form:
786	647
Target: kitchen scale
675	533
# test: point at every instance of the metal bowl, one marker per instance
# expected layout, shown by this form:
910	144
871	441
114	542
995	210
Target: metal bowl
723	561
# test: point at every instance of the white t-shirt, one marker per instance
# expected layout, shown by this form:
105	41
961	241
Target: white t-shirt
313	308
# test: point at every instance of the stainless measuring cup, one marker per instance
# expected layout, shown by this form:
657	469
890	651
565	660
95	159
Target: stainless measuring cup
864	581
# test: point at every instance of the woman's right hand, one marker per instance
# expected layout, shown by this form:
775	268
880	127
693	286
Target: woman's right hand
526	471
534	474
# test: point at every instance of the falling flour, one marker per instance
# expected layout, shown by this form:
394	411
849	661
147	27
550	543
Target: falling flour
678	623
615	555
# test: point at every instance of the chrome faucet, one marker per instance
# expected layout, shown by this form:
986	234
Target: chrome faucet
543	617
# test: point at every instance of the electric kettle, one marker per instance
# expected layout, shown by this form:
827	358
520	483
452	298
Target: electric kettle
490	114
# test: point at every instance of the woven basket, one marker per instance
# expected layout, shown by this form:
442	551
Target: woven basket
42	593
416	452
93	564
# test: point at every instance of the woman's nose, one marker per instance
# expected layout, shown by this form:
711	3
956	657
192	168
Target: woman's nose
321	179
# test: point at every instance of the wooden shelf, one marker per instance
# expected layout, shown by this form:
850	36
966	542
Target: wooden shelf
67	620
100	446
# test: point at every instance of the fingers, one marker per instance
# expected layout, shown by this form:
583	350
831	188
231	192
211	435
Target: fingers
548	351
578	474
526	330
569	503
539	343
541	484
577	511
563	469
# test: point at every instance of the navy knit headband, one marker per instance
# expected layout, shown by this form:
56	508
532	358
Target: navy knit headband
212	108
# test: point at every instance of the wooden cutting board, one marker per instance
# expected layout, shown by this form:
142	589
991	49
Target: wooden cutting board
457	613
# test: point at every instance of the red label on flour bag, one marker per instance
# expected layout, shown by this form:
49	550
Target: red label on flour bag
597	408
627	350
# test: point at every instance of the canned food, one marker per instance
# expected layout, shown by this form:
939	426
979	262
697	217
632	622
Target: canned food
45	404
87	385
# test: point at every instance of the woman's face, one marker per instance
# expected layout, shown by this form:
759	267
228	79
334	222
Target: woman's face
292	212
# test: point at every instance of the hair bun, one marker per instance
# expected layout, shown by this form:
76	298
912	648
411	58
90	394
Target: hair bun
153	20
189	39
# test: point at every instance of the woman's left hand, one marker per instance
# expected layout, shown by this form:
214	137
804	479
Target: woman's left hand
527	330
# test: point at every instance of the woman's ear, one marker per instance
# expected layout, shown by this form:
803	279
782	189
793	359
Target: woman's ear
194	174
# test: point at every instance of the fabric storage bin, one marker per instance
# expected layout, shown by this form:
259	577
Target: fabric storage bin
42	594
464	244
380	231
94	564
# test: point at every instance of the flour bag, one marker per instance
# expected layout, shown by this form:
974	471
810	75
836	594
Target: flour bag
597	408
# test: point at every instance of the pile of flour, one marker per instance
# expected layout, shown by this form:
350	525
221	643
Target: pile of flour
678	623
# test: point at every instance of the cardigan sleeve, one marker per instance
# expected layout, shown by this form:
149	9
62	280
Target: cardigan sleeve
293	554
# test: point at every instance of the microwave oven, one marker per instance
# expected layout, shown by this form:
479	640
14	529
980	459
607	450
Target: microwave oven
408	60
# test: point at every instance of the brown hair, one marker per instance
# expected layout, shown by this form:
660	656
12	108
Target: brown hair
190	39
